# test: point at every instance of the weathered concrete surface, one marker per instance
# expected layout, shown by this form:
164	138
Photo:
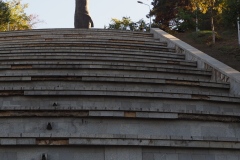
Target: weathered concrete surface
115	153
94	94
82	17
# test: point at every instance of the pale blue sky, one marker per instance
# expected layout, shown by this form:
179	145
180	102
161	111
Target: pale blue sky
60	13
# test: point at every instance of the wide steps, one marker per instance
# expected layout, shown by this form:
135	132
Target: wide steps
38	91
66	55
86	53
88	69
87	44
77	32
77	56
114	103
15	40
118	66
76	91
55	40
108	83
116	79
7	64
76	49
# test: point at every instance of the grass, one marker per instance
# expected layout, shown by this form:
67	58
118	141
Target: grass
204	37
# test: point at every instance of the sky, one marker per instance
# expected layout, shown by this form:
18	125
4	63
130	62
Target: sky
60	13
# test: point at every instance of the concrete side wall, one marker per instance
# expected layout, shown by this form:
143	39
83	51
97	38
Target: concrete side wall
114	153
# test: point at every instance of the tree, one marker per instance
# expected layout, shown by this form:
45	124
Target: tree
185	20
230	13
18	19
212	6
122	24
180	13
167	11
4	13
127	24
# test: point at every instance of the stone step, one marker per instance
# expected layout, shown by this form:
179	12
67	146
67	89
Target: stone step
108	103
96	131
37	127
175	82
105	57
92	83
87	38
117	79
162	63
87	44
86	41
110	66
127	93
88	76
80	37
72	32
99	136
76	50
98	60
124	92
69	72
95	53
6	40
69	147
107	68
116	114
49	37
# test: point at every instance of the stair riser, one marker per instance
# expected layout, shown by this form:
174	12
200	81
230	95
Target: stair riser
67	64
77	84
86	54
146	73
8	64
139	127
118	104
82	39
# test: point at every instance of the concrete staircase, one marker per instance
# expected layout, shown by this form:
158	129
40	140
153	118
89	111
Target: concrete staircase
72	94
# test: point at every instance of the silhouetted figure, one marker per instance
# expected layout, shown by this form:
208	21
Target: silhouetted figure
82	17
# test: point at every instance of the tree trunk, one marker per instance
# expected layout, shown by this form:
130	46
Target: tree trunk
82	18
212	25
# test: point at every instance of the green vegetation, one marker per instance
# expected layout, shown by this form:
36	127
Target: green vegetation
4	13
204	37
182	15
13	16
127	24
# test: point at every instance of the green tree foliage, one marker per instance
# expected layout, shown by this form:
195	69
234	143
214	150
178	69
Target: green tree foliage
230	13
183	14
127	24
4	13
214	7
17	18
184	20
167	13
